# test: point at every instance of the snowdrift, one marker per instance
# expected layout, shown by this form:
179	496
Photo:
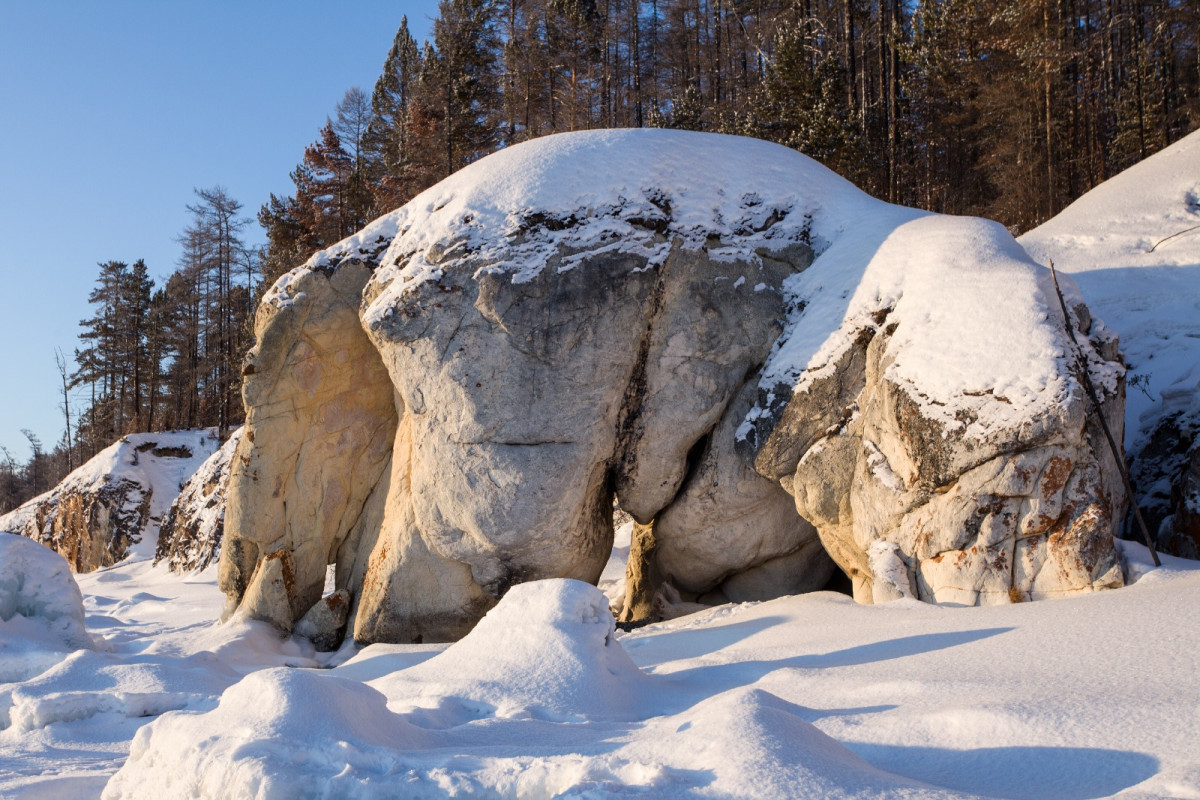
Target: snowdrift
41	609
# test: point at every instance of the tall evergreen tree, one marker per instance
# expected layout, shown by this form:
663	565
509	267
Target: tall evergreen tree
389	137
466	76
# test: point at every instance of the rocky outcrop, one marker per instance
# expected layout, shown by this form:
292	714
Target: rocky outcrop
977	514
765	366
191	533
101	511
320	419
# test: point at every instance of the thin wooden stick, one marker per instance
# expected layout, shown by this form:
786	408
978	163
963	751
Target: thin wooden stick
1091	393
1172	236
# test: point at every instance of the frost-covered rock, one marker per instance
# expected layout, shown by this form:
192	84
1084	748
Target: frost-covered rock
445	404
278	733
190	537
1133	245
115	502
36	585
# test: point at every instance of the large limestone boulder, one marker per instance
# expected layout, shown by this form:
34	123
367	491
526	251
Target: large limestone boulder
320	419
719	333
114	503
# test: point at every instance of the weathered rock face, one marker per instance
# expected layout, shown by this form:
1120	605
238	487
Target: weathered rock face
115	501
447	403
319	426
976	515
191	533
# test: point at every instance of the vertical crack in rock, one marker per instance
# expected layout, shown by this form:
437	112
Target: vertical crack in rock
629	432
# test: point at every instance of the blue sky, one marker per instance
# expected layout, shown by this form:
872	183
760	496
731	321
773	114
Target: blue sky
112	112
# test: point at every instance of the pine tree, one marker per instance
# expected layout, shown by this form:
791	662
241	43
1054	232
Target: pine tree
466	74
388	138
351	123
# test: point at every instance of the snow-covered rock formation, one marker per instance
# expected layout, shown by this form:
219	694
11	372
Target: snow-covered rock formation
190	536
746	350
1133	246
104	509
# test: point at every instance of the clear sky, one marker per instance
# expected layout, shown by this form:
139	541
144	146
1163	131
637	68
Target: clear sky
112	112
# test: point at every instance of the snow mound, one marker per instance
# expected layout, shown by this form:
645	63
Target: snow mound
765	748
546	651
89	683
279	733
41	608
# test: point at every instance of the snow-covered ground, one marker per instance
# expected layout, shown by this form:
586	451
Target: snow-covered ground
808	696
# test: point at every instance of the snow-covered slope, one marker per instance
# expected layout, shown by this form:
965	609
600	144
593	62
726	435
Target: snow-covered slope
190	538
1133	246
1115	242
112	506
809	696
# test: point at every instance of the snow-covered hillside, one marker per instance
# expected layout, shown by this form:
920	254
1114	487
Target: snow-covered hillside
1133	246
1116	242
111	507
808	696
